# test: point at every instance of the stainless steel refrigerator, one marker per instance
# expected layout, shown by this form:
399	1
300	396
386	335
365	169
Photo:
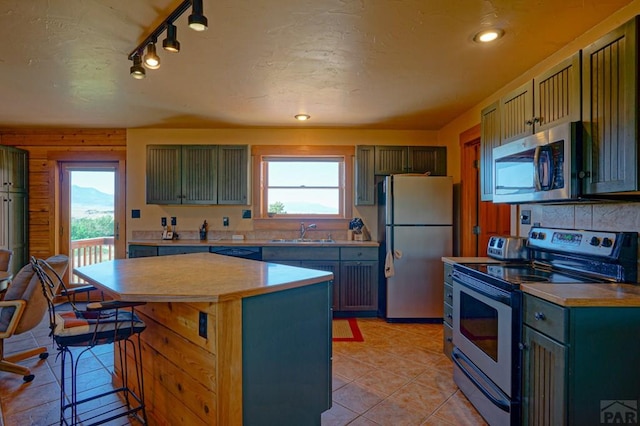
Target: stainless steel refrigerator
417	214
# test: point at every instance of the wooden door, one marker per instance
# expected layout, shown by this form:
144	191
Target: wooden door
479	220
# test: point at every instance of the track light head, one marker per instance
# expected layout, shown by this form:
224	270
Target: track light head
171	43
137	71
151	59
197	20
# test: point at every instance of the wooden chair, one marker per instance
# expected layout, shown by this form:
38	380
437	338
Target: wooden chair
23	308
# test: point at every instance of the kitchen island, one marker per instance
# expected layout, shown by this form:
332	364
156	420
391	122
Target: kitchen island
229	341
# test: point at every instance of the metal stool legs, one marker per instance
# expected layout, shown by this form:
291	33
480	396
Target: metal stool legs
75	412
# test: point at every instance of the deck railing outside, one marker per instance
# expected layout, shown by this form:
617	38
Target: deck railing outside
89	251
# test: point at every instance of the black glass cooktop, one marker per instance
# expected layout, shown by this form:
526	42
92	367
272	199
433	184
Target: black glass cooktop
519	273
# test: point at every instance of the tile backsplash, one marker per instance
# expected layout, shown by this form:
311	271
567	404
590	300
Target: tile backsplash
601	217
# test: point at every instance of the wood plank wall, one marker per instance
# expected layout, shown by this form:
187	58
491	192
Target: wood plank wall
47	147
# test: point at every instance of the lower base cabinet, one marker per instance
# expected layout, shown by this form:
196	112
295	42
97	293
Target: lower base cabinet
580	364
355	272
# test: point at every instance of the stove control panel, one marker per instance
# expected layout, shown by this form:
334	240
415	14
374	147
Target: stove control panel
593	243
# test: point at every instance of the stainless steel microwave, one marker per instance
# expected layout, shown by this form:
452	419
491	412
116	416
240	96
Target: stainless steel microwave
540	167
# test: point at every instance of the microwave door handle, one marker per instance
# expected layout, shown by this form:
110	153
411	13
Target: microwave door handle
544	157
536	168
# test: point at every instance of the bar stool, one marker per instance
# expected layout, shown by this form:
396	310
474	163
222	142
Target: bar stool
100	323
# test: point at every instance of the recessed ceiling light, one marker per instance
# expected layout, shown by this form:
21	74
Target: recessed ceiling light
486	36
302	117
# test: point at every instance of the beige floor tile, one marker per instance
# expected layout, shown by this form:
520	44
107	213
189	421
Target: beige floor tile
350	368
338	415
459	411
357	397
382	381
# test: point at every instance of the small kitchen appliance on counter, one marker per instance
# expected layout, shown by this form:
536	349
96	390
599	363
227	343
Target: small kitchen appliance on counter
487	306
507	248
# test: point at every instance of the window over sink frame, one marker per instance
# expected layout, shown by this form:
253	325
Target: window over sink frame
262	154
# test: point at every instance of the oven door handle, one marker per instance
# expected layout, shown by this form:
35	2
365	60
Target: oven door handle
480	287
459	359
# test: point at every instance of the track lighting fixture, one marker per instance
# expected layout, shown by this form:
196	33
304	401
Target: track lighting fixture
197	21
137	70
151	60
171	43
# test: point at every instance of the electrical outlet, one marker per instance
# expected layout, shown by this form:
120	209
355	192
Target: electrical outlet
202	325
246	214
135	214
163	221
225	221
174	221
525	217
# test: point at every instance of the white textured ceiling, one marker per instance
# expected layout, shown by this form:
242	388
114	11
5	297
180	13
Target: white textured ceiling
394	64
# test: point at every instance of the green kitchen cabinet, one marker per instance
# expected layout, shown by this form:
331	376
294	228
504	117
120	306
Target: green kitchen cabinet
359	279
552	98
609	112
364	182
489	139
355	272
196	174
136	250
579	363
14	211
410	159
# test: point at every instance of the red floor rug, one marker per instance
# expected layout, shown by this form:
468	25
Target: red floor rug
346	330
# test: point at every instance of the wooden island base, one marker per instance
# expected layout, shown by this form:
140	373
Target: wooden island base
257	356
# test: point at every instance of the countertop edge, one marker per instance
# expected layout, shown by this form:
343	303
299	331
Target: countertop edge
263	243
586	295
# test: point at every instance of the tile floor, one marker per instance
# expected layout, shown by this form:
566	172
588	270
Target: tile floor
397	376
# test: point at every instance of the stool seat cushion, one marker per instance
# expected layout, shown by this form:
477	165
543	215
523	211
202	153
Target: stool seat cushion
95	328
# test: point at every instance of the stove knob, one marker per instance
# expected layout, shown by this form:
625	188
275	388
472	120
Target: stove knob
595	241
606	242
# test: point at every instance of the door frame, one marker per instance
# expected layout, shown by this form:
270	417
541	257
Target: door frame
57	161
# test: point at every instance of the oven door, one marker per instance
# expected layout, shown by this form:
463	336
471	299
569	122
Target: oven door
482	328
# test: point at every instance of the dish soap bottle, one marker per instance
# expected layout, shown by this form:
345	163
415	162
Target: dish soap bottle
203	231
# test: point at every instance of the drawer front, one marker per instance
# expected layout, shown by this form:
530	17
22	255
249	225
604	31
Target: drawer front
448	294
545	317
359	253
163	251
300	253
142	251
448	314
448	270
447	341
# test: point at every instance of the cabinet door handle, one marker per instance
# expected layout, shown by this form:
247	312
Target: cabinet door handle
450	316
522	346
540	316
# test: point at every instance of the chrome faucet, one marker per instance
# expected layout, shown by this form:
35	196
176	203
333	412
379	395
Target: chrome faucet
303	229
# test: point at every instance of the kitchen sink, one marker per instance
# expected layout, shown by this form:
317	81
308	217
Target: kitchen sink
302	240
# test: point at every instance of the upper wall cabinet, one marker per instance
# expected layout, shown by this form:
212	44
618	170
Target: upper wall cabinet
550	99
196	174
365	176
489	139
609	112
391	160
232	174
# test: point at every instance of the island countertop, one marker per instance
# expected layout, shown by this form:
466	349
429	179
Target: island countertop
197	277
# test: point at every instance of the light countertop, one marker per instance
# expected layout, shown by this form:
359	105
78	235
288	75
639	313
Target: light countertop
453	260
574	295
253	243
198	277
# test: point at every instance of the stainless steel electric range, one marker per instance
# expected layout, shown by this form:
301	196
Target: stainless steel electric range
487	305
